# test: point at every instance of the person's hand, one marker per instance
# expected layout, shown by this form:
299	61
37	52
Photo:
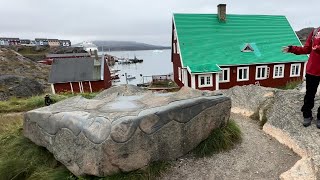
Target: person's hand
315	47
285	49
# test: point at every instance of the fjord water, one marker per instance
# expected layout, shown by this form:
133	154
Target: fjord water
154	63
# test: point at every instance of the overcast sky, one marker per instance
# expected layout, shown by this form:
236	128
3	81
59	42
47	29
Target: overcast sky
146	21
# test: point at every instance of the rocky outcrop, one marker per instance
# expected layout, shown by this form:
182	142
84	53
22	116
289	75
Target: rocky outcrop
281	108
121	132
17	86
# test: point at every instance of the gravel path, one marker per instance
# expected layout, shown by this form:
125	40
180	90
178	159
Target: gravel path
258	157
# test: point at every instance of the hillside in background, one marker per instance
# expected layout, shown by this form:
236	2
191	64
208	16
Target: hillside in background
127	46
20	76
304	33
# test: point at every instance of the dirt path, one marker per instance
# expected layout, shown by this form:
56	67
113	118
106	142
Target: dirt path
258	157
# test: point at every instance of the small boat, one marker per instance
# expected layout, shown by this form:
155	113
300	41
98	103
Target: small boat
124	61
136	60
130	77
116	80
115	76
113	71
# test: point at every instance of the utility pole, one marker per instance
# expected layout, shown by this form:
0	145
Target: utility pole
126	78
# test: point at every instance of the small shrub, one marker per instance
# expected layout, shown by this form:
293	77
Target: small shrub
291	85
27	104
220	139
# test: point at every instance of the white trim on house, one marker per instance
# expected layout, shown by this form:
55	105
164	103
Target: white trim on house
263	74
224	80
80	87
175	27
179	74
217	81
71	87
185	77
52	89
90	86
206	84
280	74
193	81
294	73
247	75
174	48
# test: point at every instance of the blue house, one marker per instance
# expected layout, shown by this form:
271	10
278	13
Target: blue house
42	42
65	43
4	41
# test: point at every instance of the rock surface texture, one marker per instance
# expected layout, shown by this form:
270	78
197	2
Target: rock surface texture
125	128
281	108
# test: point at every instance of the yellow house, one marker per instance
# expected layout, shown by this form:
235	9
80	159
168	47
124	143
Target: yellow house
53	42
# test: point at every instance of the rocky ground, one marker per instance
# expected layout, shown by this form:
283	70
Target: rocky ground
21	77
259	156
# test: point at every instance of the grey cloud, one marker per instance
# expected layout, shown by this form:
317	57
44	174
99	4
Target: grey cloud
139	20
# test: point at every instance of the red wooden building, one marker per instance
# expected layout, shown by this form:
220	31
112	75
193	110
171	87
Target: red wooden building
79	75
50	57
219	51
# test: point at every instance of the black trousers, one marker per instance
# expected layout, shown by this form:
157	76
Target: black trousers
312	83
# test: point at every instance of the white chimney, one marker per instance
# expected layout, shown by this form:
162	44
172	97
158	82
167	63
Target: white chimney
222	12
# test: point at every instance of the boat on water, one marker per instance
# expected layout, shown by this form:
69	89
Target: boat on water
130	77
116	80
89	47
136	60
115	76
124	61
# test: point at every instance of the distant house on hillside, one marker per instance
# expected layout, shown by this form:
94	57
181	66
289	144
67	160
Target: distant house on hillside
53	42
65	43
219	51
42	42
78	75
50	57
25	42
4	41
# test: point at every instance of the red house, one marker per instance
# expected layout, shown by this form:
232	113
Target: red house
219	51
79	75
50	57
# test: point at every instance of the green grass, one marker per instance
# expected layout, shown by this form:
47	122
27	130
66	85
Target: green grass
291	85
219	140
164	84
22	159
26	104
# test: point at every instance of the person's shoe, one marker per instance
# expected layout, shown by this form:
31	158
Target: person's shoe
307	122
318	123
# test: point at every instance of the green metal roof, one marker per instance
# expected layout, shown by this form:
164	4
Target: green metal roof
205	42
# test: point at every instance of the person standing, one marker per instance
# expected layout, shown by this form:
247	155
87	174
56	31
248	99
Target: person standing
312	47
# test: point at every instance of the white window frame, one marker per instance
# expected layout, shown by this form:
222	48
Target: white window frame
205	76
259	68
179	73
275	76
178	49
299	70
242	68
174	48
222	73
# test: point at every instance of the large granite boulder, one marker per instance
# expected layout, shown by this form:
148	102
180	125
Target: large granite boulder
281	108
125	128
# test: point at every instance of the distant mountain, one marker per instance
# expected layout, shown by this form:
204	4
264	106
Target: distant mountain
304	33
126	46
